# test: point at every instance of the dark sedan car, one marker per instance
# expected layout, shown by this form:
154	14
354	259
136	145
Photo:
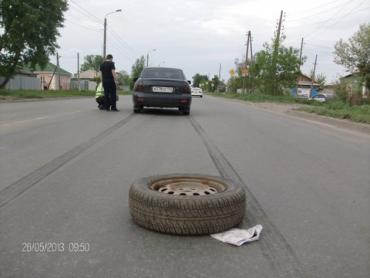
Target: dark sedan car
162	87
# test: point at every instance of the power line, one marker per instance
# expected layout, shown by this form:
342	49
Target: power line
335	15
118	47
84	26
118	40
340	17
294	19
86	12
319	46
124	42
319	7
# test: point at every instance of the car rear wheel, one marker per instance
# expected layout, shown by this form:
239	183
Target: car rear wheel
138	109
185	110
187	204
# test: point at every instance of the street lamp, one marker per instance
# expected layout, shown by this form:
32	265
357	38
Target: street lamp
147	56
105	31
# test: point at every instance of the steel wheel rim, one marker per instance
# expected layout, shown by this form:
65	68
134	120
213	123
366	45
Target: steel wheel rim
188	186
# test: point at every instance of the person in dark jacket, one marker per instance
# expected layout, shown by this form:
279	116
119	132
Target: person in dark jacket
109	79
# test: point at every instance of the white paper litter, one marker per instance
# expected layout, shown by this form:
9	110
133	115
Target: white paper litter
239	236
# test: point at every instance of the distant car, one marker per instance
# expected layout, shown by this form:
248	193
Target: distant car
162	87
196	92
319	98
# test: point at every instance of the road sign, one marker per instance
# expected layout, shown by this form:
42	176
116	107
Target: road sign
232	72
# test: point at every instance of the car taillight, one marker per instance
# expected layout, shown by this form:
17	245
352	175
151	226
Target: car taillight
139	87
184	89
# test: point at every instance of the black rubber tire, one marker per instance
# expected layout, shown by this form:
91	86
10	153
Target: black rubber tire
185	110
186	215
137	109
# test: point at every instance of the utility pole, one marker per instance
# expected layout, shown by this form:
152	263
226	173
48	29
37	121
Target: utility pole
105	32
276	51
105	38
78	70
246	63
249	73
247	52
300	54
277	42
313	75
219	73
58	71
147	56
314	68
300	64
250	41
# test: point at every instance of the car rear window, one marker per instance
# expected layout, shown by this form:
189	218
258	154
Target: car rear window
163	73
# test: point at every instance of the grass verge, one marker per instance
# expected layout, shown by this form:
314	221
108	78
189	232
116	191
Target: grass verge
262	98
332	108
337	109
30	94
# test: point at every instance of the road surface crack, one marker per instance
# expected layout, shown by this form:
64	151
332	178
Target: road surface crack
15	189
274	246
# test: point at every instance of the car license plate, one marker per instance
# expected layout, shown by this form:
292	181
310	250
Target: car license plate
162	89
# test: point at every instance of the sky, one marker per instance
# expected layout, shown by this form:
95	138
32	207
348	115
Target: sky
199	36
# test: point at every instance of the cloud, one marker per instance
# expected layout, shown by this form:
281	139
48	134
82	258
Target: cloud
198	35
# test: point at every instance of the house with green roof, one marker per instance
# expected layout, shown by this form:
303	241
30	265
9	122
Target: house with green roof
53	79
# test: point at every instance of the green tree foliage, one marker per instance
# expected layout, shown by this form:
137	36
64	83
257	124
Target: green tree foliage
92	62
272	74
136	69
124	78
321	80
215	82
234	83
198	79
354	54
29	33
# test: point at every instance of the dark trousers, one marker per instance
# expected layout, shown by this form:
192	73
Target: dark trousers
110	96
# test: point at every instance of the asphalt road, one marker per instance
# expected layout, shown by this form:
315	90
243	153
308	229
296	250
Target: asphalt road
66	169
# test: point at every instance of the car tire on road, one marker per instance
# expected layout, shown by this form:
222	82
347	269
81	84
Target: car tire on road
137	109
187	204
185	110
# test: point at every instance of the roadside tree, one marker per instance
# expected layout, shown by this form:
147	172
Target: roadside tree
215	82
29	30
124	78
199	79
354	54
321	80
272	74
92	62
136	70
